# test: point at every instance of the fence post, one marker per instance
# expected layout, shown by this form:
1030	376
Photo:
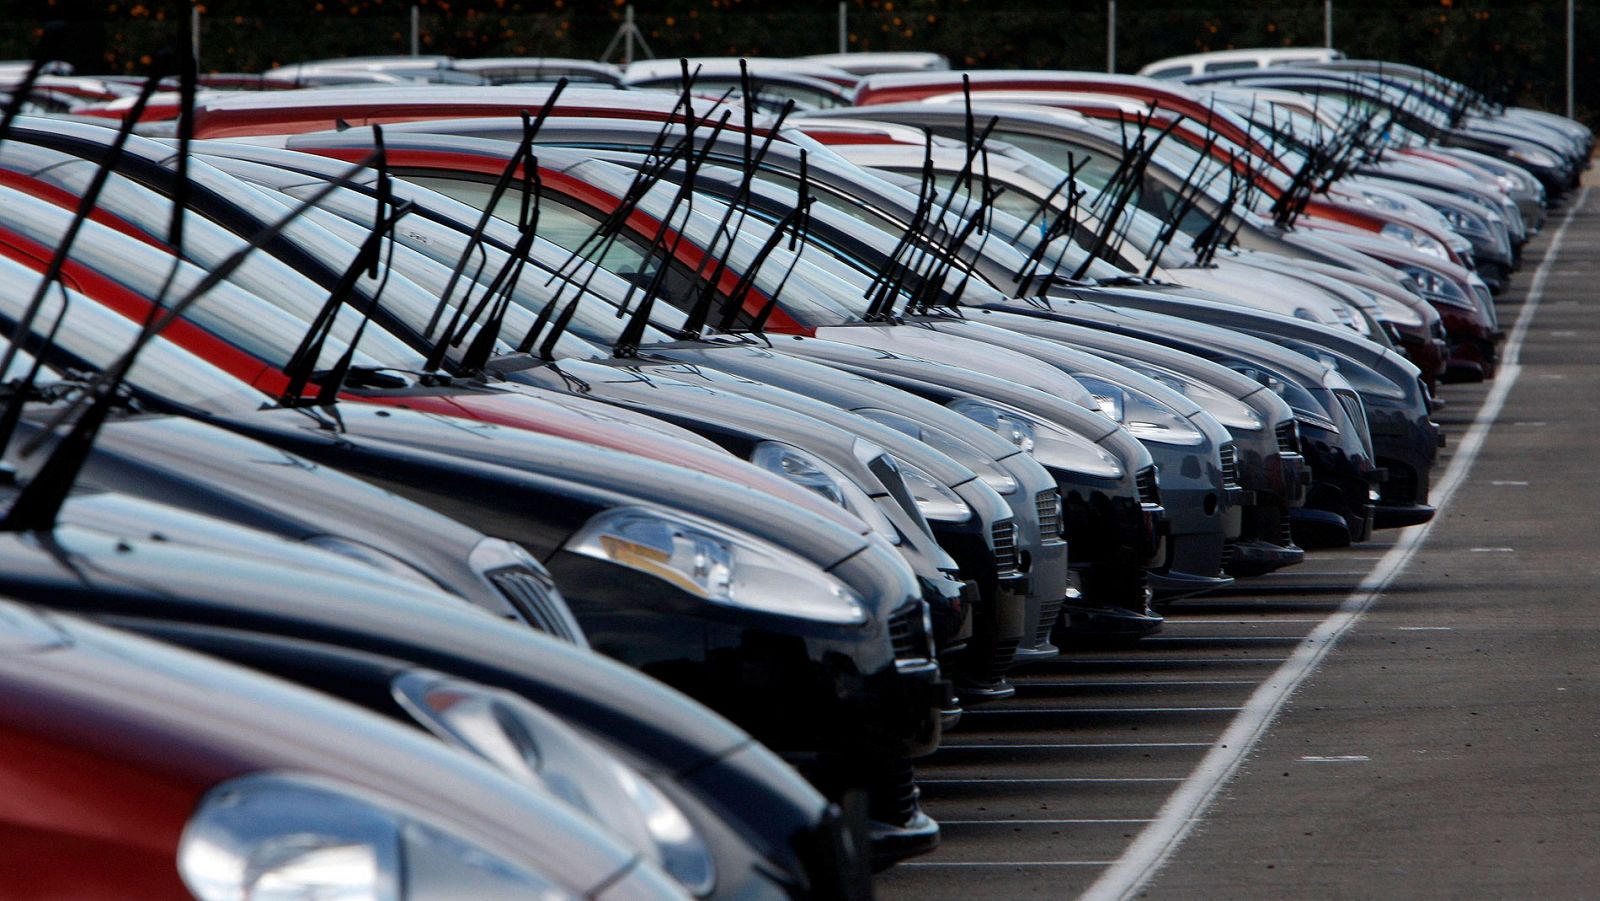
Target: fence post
1327	24
416	31
1111	35
844	27
627	39
1571	51
194	35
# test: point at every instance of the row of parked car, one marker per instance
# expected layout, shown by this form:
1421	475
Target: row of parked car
477	478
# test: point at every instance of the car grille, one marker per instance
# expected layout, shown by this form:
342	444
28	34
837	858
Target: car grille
536	599
1006	562
1147	485
893	796
1049	506
905	634
1289	437
1049	612
1353	408
1230	465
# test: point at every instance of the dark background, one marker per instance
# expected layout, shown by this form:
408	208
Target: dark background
1514	50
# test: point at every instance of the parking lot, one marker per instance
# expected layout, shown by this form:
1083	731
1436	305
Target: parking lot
1386	720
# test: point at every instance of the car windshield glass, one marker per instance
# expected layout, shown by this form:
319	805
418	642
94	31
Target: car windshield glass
92	337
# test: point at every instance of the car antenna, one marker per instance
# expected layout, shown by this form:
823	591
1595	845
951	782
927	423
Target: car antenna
39	502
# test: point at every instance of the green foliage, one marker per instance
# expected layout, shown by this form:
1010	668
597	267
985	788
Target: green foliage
1515	50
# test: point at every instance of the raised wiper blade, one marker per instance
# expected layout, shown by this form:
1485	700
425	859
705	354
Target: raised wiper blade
39	502
518	157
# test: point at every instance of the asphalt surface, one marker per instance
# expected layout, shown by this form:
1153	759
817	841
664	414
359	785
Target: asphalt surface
1446	744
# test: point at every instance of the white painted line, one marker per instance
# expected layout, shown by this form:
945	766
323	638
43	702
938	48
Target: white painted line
1494	550
1531	422
1507	482
1063	710
1073	822
1425	628
1346	758
1221	638
1006	863
1155	660
1314	574
1107	745
1134	683
1052	780
1185	807
1192	620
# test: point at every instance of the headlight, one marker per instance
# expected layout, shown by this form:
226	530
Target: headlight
1437	287
1229	411
1306	408
1533	157
798	467
934	499
1361	377
1391	310
526	742
283	835
1147	418
1382	202
1463	221
1415	239
940	440
379	560
1053	446
717	564
812	474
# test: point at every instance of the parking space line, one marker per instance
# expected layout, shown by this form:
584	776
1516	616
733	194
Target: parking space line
1131	683
1185	807
1007	863
1061	822
1180	661
1052	780
1079	710
1102	745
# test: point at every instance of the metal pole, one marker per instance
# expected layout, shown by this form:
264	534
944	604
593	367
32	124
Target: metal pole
1327	24
1571	47
627	39
194	34
1111	35
416	31
844	27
